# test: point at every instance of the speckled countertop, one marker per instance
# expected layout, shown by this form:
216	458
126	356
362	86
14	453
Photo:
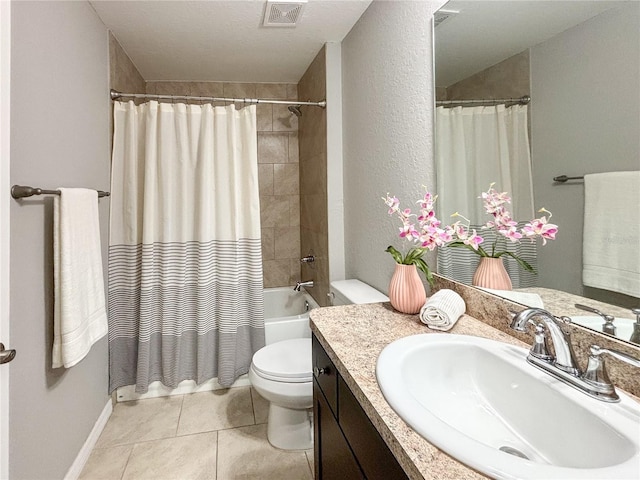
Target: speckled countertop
354	336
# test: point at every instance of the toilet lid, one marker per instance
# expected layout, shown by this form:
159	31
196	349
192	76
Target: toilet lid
285	361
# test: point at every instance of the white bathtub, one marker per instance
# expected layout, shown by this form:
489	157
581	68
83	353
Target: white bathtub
286	314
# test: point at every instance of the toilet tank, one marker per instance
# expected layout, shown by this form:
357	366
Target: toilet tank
346	292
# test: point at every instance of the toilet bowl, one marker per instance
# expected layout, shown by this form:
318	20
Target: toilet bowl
281	373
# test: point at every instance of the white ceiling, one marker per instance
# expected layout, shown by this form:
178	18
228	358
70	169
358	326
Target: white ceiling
224	40
486	32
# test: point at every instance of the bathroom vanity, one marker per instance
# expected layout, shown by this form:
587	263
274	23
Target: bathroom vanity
357	433
347	445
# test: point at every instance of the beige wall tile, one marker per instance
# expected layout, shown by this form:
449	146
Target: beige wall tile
295	271
294	153
294	210
274	210
265	178
189	457
292	91
276	273
170	88
240	90
124	76
287	242
207	89
313	175
286	179
276	91
284	120
264	117
268	243
313	212
312	141
272	148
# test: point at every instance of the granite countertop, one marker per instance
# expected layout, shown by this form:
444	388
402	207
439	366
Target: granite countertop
354	336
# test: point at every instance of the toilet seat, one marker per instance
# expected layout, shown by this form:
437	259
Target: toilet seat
285	361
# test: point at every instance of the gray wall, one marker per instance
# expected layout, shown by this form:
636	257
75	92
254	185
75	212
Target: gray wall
585	118
387	88
59	137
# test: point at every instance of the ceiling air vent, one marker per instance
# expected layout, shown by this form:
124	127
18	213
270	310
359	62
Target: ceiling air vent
283	14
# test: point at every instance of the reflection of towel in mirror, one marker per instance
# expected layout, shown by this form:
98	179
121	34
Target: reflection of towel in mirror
611	238
80	317
442	310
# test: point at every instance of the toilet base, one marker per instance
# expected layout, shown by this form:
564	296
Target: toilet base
289	429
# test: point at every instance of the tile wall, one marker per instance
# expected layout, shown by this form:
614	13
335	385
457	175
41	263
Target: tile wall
277	157
313	179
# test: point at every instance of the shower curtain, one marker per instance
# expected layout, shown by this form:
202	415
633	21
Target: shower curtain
185	267
477	146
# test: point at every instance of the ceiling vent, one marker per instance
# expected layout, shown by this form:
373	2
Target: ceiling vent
283	14
442	16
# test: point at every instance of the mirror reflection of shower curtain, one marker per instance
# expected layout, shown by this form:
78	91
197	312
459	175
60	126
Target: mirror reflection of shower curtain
185	267
477	146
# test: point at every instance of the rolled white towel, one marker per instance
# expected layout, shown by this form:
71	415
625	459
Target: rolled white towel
442	310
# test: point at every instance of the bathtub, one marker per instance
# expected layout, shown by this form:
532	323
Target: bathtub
286	314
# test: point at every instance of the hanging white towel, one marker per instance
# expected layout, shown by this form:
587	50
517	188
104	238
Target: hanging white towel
611	239
80	316
442	310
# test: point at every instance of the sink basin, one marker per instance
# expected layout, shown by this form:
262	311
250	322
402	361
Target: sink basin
624	326
483	404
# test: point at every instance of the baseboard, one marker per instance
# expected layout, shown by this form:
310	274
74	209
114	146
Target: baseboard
157	389
83	455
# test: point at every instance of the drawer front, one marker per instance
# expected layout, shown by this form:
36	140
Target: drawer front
375	458
326	375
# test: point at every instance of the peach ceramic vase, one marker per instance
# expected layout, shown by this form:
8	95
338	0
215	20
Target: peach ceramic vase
492	274
406	291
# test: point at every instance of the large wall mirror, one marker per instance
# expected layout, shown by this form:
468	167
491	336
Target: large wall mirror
579	62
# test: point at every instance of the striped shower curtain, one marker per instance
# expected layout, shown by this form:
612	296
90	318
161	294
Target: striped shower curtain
185	267
477	146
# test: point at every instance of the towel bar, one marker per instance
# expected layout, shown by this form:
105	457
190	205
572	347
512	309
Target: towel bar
564	178
22	191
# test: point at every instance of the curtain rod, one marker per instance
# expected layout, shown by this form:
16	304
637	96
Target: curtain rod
115	95
522	101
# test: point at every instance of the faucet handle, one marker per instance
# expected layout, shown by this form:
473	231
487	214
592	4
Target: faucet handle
636	312
596	372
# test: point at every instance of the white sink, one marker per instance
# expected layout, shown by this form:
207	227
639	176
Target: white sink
472	397
624	326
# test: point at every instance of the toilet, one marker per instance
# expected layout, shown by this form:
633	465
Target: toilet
281	373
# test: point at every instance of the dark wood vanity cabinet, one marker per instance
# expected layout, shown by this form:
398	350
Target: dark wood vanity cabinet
346	444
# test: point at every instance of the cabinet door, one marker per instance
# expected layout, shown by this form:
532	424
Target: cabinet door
333	457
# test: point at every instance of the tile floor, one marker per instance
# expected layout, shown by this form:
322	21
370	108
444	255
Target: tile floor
218	435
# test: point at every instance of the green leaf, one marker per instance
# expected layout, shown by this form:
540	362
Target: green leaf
422	265
524	264
397	256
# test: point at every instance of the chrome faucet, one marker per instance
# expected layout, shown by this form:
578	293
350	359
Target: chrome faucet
299	285
594	381
565	359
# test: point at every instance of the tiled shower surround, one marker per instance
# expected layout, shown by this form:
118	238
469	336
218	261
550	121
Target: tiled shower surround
278	171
